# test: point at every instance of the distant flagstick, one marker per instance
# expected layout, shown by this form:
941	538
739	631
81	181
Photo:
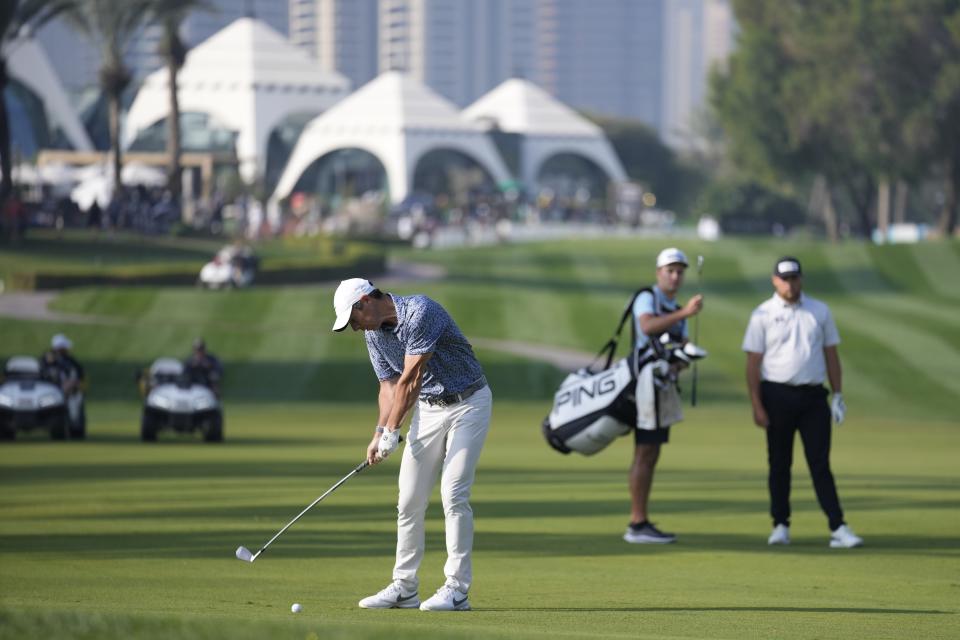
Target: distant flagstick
696	332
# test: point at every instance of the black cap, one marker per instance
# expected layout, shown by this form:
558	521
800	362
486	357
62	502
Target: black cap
787	266
199	344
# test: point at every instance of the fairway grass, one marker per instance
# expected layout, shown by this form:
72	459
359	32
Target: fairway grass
111	538
114	538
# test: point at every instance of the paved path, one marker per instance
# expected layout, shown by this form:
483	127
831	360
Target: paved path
565	359
34	305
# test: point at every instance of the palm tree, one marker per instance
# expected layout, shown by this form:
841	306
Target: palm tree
16	16
170	14
110	25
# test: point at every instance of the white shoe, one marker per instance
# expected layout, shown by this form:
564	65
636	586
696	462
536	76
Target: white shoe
844	538
780	535
446	599
391	598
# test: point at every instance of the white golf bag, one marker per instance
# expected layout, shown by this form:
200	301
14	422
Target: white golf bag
593	408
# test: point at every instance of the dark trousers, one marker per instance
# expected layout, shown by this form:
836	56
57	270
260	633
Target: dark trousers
802	409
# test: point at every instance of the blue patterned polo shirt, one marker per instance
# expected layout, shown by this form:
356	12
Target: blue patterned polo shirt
423	326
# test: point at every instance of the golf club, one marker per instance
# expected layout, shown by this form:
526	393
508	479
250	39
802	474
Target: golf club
696	333
244	554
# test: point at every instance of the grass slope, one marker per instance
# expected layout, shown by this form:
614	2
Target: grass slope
110	538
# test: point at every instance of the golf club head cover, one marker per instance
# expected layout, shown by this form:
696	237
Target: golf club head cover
388	442
838	408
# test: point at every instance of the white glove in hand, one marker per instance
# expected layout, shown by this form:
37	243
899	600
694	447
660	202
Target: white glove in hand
388	442
838	408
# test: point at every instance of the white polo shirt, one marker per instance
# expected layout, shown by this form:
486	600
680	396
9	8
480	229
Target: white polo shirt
791	338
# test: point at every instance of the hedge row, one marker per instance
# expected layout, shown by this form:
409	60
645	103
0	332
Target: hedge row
365	263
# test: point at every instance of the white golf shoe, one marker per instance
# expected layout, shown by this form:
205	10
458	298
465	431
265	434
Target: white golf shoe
391	598
779	535
843	537
446	599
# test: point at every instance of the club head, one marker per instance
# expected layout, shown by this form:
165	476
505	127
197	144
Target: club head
244	554
694	352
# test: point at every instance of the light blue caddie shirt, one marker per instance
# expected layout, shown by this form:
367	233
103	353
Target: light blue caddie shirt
656	304
423	326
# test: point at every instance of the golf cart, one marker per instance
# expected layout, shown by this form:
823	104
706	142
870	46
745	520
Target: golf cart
233	266
175	400
27	401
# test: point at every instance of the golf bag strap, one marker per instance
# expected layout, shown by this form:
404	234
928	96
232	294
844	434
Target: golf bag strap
610	349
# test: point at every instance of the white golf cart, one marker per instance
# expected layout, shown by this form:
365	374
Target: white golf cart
27	401
174	401
233	266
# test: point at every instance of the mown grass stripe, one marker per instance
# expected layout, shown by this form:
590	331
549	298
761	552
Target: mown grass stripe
908	384
941	266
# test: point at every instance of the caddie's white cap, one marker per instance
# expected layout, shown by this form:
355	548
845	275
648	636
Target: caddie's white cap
671	256
61	341
347	295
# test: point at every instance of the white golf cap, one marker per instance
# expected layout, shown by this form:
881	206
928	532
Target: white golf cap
347	295
671	256
61	341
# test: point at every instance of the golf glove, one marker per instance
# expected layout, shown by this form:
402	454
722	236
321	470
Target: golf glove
388	442
838	408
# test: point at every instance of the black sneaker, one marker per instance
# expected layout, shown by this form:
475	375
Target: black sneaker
646	533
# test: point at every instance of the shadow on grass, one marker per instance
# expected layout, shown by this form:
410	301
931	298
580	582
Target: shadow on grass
169	438
199	470
859	610
307	544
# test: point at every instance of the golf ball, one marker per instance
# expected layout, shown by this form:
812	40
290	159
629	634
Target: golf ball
296	608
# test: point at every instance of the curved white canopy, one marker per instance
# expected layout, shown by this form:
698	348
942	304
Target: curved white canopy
28	64
397	120
249	78
548	127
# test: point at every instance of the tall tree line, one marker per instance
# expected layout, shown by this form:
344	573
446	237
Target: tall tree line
854	98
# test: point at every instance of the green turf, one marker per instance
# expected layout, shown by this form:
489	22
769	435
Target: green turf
111	538
128	255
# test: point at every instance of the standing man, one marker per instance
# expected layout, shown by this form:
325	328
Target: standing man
791	344
423	363
656	313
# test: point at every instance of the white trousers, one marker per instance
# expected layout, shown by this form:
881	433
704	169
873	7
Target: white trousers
447	439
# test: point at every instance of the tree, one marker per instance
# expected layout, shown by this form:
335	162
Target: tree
16	17
777	109
110	25
648	161
861	93
169	14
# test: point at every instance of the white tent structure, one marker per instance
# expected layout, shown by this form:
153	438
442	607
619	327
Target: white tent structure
398	120
95	182
28	64
547	127
248	78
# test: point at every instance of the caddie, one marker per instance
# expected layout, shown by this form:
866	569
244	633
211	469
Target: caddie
791	346
660	327
424	363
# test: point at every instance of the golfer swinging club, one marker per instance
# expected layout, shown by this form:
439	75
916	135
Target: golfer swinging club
422	360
